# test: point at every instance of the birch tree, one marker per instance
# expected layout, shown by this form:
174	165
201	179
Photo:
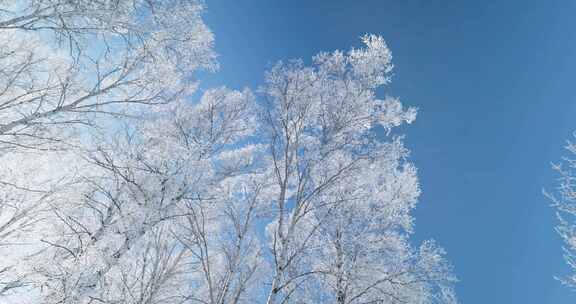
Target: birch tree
163	215
342	210
67	69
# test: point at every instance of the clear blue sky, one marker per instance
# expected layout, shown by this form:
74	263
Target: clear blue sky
496	89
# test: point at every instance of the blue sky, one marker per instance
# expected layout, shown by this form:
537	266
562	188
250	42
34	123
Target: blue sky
495	88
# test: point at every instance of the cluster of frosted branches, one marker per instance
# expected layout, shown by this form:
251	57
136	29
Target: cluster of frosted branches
564	200
64	62
117	189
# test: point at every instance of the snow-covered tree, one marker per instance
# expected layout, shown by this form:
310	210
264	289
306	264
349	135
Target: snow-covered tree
564	201
68	71
341	217
152	223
